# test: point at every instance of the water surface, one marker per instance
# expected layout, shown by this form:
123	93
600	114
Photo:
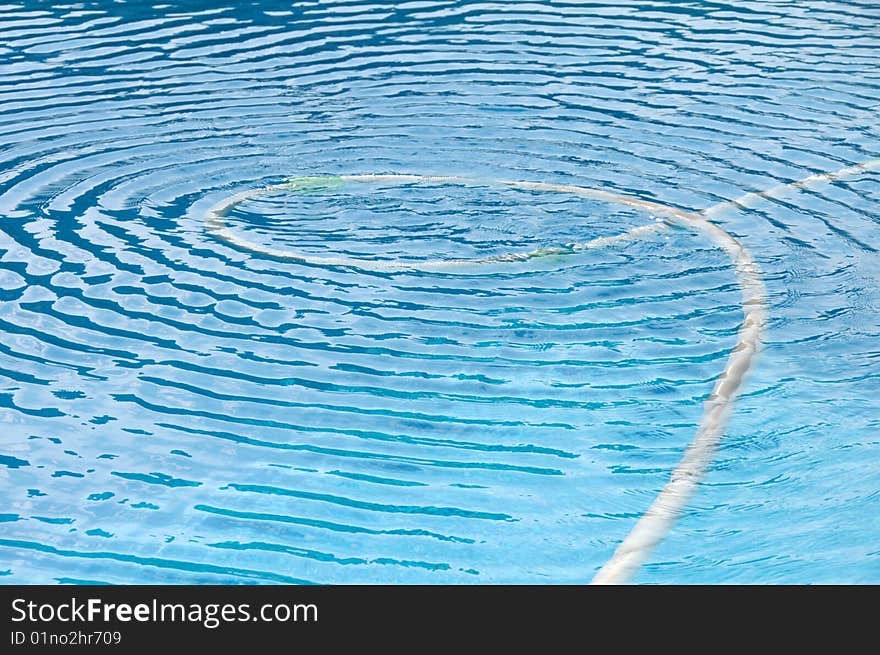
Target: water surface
176	410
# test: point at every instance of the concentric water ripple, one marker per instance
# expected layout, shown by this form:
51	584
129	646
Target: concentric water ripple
180	410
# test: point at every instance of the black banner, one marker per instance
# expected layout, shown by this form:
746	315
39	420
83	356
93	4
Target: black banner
128	619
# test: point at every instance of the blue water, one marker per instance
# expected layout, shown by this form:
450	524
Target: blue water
176	410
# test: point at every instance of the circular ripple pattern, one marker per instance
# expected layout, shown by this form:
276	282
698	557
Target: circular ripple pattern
177	410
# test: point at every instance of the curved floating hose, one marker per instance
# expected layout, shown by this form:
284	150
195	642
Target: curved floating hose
215	221
657	521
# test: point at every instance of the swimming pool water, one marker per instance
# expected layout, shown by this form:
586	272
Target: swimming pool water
177	410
